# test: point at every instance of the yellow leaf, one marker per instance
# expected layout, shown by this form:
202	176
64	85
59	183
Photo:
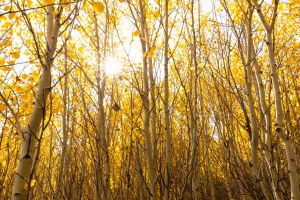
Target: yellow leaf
7	42
2	61
32	183
6	8
2	107
11	15
151	52
65	3
153	48
3	163
156	13
11	62
142	142
30	3
85	4
80	49
55	12
219	9
4	129
24	76
2	18
98	7
57	108
17	88
15	55
136	33
6	25
50	1
6	68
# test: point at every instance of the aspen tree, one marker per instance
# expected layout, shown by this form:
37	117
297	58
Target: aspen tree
100	128
31	135
203	72
146	104
168	148
206	142
65	123
103	176
153	99
247	63
194	111
289	149
253	120
267	150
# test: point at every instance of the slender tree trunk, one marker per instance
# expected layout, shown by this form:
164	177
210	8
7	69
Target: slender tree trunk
267	149
195	136
206	143
105	139
99	138
153	113
139	173
167	110
146	106
253	121
22	176
65	121
102	168
153	104
131	148
289	149
210	176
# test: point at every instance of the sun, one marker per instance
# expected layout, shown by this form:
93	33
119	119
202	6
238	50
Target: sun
112	66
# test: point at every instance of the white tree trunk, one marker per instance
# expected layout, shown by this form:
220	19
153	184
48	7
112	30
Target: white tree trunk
146	106
289	149
22	176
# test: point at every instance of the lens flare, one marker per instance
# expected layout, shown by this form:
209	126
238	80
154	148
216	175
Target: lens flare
112	66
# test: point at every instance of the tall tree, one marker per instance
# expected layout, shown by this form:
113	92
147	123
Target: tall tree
31	135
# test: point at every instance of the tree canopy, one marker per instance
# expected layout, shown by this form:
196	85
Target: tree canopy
149	99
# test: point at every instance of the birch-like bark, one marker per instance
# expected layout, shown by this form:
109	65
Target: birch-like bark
102	171
105	142
31	134
65	121
146	106
267	142
253	121
153	98
289	149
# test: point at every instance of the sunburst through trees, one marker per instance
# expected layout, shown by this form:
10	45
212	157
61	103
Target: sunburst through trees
149	99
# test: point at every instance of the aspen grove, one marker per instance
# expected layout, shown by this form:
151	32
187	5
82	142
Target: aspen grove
149	99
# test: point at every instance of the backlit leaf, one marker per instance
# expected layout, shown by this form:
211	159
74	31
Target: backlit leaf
136	33
15	55
6	68
98	7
